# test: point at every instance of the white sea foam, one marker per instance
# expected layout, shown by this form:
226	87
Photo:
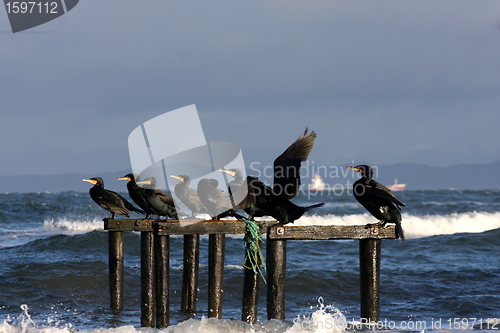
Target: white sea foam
50	227
418	226
319	321
67	226
327	319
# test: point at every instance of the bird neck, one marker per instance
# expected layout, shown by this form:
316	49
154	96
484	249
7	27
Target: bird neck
365	180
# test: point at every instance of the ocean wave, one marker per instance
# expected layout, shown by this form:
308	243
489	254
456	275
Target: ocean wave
418	226
71	226
50	227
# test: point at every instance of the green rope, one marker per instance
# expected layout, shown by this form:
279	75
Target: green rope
253	251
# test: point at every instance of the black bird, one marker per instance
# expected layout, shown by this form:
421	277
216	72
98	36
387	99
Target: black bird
262	200
246	200
109	200
161	202
377	199
215	200
136	193
188	196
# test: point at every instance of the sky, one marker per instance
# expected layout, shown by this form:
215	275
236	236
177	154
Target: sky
381	82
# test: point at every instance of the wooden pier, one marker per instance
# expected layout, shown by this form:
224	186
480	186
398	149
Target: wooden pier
155	264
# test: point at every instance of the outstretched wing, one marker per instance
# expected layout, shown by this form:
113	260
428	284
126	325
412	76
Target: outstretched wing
258	193
287	166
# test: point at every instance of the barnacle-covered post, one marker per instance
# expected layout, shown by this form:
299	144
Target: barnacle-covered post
116	265
190	273
250	293
216	249
147	279
162	258
276	272
369	276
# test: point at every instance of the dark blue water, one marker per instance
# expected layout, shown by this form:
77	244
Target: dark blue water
54	268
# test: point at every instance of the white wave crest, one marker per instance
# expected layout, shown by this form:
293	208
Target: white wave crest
67	226
50	227
430	225
327	319
418	226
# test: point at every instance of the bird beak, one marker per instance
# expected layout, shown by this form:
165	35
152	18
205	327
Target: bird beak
178	178
124	178
354	168
144	182
229	172
93	182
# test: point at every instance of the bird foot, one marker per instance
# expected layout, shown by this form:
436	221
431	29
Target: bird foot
374	228
382	224
281	223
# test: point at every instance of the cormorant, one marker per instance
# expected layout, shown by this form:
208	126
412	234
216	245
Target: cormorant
162	202
262	200
215	200
109	200
247	201
188	196
377	199
136	193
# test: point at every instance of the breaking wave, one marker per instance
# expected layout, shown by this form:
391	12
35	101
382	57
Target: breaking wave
418	226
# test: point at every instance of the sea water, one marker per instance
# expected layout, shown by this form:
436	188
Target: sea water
446	276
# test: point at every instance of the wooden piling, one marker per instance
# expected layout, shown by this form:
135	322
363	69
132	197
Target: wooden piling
369	271
162	257
276	268
250	293
147	279
116	265
370	244
216	249
190	273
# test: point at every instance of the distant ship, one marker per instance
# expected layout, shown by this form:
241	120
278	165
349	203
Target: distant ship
396	186
317	184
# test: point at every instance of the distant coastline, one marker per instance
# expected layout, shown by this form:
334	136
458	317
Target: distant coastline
416	176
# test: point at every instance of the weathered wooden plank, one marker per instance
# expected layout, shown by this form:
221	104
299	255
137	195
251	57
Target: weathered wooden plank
183	227
317	232
313	232
128	225
209	227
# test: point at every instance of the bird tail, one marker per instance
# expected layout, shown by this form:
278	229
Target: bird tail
399	231
314	206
